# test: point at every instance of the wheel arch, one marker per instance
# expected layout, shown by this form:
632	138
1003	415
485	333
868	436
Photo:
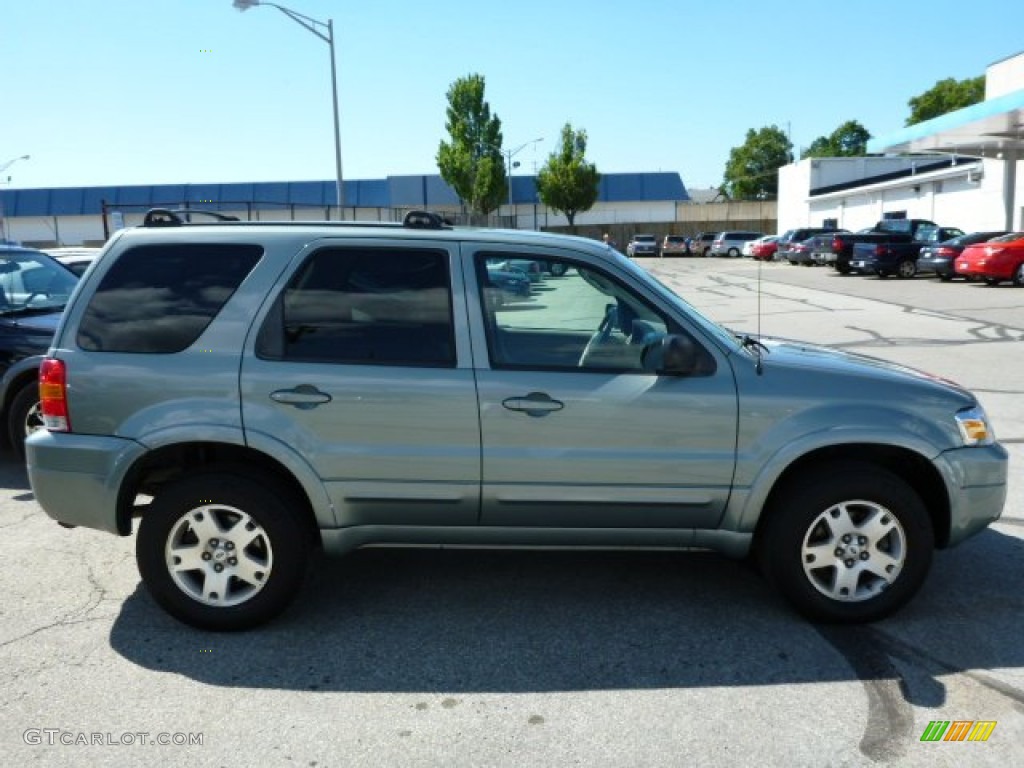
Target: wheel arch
912	467
170	462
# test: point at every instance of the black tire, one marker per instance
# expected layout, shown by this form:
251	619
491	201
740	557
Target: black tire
906	269
946	278
882	274
991	281
23	417
558	269
1018	276
808	521
242	514
843	269
734	253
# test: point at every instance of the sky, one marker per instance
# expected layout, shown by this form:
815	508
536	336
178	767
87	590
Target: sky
118	92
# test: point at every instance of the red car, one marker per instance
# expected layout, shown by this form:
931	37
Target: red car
765	248
999	259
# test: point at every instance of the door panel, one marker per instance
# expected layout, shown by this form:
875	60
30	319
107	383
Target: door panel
360	368
575	431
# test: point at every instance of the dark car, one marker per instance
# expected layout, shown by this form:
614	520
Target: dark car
940	257
33	291
790	237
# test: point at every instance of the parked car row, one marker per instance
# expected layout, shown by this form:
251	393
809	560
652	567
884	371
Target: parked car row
731	243
992	256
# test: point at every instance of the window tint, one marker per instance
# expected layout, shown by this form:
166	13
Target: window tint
582	320
160	298
375	306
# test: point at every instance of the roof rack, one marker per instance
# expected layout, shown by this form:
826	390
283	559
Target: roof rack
425	220
177	217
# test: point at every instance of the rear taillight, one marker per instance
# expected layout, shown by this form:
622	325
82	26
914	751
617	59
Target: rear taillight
881	250
53	401
837	243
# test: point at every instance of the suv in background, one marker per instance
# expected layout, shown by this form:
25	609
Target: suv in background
701	243
252	392
674	245
730	243
642	245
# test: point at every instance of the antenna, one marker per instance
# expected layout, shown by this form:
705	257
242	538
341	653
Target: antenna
759	367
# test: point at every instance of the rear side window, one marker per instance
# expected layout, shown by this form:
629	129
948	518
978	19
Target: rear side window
374	306
158	299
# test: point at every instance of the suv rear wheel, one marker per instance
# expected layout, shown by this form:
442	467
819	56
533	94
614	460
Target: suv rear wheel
852	545
24	417
222	550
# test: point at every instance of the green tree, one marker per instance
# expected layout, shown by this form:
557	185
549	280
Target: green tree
567	182
946	96
848	140
751	172
471	162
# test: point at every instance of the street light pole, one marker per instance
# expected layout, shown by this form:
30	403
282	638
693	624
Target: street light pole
312	25
508	154
3	220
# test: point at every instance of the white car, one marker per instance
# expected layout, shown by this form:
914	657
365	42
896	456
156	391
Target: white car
75	259
730	243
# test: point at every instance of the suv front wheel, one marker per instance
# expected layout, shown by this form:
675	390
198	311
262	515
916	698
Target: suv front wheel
222	550
852	545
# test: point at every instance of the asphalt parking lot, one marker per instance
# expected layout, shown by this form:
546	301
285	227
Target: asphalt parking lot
460	658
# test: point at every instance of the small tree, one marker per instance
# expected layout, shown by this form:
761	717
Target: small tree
848	140
945	96
567	182
472	162
752	171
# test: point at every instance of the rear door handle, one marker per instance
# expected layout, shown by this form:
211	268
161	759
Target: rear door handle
304	397
535	404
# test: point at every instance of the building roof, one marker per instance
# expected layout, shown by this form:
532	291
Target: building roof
979	130
392	192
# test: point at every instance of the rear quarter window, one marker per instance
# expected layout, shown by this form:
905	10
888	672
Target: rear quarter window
160	298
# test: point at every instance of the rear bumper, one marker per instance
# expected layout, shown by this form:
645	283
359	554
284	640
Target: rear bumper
76	478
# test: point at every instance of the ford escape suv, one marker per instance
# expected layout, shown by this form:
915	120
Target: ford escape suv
248	392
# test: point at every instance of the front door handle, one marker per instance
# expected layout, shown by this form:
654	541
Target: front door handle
304	397
535	404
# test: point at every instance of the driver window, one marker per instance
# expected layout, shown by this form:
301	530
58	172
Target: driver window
552	314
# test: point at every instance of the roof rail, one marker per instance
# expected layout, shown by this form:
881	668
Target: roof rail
425	220
177	217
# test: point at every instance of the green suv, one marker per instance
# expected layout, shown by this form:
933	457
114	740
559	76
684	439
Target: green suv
250	392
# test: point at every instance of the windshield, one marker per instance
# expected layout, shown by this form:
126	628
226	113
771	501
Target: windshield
30	281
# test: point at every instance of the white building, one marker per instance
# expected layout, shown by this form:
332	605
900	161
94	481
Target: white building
962	169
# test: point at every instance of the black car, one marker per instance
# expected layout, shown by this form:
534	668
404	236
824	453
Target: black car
940	257
33	291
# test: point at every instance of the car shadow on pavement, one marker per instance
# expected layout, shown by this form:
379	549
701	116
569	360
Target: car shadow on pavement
12	472
489	621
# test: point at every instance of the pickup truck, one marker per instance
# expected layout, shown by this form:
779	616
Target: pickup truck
886	231
898	257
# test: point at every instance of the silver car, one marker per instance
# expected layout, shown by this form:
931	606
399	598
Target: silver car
243	394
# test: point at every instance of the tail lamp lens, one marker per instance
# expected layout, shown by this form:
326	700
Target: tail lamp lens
53	402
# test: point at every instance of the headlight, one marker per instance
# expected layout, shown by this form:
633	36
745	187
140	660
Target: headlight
974	426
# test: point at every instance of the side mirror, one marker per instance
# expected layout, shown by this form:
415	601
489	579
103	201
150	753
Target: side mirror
673	354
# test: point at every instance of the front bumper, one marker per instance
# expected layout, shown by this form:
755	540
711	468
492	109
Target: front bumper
976	478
